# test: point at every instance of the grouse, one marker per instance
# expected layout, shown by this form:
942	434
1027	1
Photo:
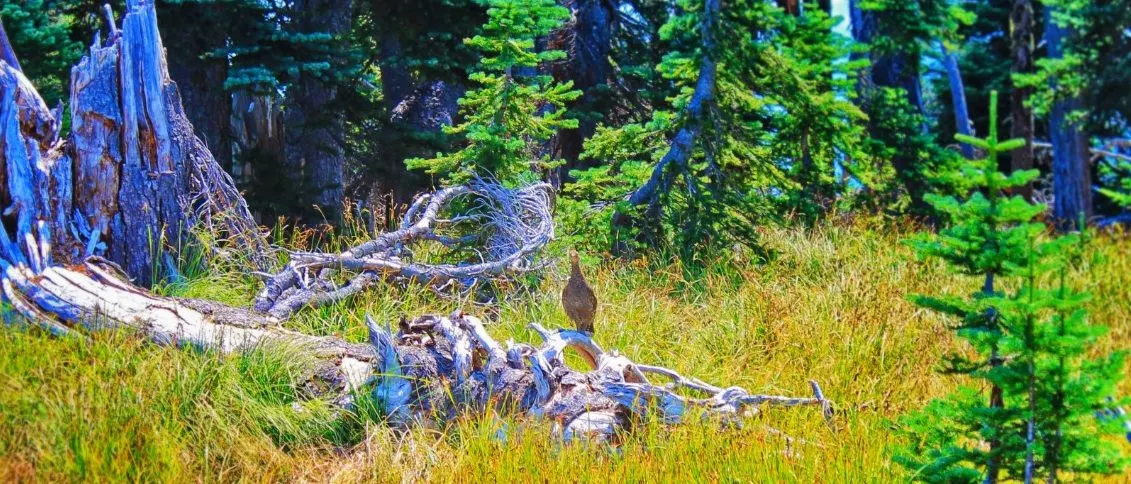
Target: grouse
578	300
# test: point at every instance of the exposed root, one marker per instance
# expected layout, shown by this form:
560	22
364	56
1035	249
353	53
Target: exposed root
514	224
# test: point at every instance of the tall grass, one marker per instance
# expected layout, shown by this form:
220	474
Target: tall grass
829	305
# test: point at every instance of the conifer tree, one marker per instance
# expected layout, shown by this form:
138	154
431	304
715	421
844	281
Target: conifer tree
516	106
1030	344
765	129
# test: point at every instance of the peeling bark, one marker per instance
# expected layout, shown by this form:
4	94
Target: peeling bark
7	54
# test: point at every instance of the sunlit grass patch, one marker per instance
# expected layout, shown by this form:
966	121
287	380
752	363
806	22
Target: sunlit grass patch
829	304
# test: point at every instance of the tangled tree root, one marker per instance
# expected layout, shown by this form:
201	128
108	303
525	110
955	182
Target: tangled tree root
511	225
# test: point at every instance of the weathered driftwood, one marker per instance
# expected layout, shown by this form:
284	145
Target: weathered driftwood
96	296
131	182
431	370
511	224
479	372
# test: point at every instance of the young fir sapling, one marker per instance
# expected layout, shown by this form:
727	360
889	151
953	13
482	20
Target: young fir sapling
1031	344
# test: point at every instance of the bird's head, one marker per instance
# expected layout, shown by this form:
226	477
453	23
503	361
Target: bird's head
573	258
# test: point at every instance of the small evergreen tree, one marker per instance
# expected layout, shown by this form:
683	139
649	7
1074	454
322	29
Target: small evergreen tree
516	106
1030	344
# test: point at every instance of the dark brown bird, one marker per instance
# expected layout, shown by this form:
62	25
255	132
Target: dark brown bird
578	300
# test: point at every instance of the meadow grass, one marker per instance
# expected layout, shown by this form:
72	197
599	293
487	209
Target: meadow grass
829	305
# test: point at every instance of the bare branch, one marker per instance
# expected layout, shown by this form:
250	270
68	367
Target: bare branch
516	223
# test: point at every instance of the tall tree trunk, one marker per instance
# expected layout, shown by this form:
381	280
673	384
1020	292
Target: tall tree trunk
958	99
1072	179
396	78
200	78
897	69
315	128
1021	117
587	40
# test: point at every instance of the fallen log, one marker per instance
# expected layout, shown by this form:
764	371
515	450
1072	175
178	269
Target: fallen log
433	369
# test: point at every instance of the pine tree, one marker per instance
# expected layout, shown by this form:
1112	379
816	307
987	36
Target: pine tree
516	106
773	132
1030	344
896	34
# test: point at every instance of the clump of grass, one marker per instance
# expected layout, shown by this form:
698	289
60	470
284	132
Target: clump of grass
116	408
828	305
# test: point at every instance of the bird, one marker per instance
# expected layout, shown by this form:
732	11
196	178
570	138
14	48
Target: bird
578	300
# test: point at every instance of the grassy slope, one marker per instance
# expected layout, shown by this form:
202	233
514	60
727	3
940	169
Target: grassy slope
830	307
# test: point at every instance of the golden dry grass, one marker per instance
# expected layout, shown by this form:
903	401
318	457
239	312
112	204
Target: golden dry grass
831	306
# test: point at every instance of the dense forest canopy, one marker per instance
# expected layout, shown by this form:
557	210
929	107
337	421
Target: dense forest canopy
316	149
694	120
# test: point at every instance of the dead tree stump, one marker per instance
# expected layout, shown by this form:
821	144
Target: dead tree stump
131	181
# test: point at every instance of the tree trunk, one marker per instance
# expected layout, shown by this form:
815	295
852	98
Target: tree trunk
681	146
259	151
889	69
396	78
1021	117
958	99
1071	174
200	79
587	40
315	133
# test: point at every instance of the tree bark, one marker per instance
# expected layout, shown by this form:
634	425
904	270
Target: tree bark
200	78
1071	174
587	41
396	78
315	133
132	182
7	53
1021	116
958	100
